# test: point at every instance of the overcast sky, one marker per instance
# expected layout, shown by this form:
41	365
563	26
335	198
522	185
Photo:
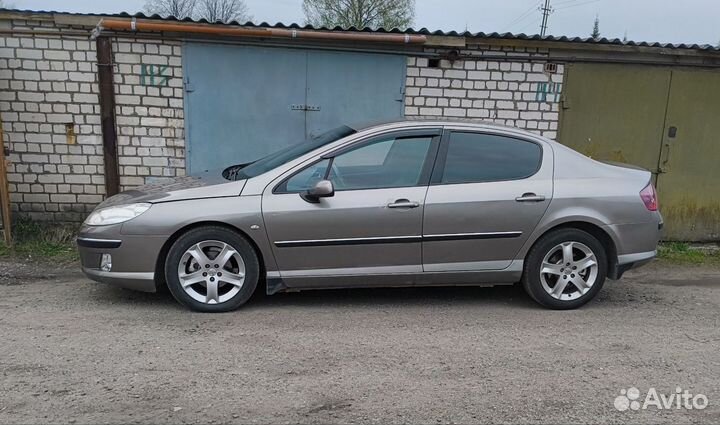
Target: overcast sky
688	21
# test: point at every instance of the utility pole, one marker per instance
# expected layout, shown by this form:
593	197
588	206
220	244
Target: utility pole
546	11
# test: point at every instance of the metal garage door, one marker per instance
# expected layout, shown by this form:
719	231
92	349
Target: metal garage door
245	102
689	179
663	119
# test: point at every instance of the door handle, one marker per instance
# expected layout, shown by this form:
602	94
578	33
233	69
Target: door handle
530	197
664	165
403	203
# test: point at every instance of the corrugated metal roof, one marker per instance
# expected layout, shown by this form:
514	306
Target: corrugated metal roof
422	31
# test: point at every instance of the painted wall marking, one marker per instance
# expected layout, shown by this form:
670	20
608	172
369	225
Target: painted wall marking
548	92
154	75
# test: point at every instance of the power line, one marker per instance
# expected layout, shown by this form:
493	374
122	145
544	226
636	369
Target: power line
560	3
577	4
531	24
522	16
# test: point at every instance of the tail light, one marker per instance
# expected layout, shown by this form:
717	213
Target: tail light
649	197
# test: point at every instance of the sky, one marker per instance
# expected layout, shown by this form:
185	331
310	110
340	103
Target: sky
688	21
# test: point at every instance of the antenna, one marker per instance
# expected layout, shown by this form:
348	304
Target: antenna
546	10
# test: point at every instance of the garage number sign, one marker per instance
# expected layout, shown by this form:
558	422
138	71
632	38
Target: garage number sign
154	75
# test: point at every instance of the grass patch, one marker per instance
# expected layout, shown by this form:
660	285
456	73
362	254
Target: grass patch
43	241
681	252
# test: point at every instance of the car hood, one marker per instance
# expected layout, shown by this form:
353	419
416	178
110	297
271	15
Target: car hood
207	185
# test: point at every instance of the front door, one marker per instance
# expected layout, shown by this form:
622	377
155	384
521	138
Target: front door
487	194
373	223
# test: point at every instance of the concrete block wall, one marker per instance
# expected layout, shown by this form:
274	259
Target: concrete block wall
48	84
503	85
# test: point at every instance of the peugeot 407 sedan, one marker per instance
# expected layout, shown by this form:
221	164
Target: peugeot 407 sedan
410	203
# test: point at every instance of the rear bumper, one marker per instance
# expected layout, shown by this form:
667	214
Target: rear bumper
630	261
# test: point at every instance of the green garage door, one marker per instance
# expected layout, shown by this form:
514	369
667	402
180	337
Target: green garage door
659	118
689	181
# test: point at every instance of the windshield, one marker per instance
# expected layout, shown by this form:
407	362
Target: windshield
285	155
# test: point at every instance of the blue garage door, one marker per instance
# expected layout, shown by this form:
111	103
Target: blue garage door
245	102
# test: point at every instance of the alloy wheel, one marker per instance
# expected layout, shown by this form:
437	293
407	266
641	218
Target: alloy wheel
211	272
568	271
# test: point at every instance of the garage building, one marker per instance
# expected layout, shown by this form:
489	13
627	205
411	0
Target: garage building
183	97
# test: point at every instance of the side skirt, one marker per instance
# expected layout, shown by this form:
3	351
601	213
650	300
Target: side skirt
508	276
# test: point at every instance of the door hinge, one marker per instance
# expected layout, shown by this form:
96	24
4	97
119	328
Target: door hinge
564	102
300	107
189	87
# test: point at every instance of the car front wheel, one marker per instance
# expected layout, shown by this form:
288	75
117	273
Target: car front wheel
212	269
565	269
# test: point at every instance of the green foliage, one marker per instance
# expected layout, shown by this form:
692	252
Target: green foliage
681	252
374	14
596	28
44	241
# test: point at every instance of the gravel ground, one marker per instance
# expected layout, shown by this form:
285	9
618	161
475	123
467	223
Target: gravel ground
75	351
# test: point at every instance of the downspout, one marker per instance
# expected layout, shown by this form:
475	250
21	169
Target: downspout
225	30
107	115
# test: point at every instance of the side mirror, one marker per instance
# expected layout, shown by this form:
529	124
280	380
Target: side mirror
322	189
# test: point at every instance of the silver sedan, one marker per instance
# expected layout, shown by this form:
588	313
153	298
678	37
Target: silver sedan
409	203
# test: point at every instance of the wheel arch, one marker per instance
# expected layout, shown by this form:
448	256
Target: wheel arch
162	255
593	229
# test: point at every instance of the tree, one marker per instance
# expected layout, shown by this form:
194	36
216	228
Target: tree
596	28
177	8
224	10
374	14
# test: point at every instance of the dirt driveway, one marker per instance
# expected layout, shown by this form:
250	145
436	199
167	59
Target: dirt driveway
76	351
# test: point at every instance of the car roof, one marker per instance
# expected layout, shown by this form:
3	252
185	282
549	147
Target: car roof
413	122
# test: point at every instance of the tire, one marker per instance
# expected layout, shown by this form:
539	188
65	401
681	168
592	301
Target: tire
212	269
546	267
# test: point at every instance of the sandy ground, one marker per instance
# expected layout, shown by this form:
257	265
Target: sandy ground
79	352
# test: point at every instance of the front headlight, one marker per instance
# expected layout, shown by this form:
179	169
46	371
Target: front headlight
115	215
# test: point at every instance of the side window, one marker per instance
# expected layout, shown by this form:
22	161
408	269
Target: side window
393	162
475	157
305	179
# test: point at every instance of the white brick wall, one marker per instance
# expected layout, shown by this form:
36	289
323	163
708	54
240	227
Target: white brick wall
506	86
48	81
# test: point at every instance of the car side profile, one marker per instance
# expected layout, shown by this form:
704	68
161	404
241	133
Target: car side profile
407	203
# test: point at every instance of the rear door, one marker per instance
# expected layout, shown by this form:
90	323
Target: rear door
488	192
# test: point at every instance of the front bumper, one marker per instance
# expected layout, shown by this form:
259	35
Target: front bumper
137	281
134	257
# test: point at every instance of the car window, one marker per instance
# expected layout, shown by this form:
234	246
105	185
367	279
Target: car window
475	157
391	162
307	178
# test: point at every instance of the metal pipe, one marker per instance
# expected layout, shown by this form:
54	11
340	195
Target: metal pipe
135	25
576	59
107	115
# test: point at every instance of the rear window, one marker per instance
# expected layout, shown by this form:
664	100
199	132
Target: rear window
475	157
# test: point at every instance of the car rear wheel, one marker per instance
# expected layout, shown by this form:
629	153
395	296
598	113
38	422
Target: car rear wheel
212	269
565	269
